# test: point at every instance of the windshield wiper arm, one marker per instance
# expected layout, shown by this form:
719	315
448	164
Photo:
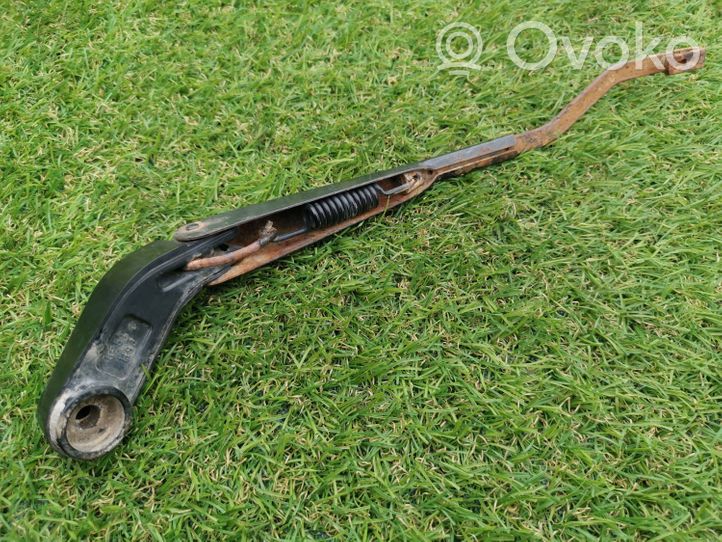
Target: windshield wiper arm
86	407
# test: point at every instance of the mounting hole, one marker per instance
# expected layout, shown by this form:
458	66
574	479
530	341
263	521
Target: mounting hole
193	226
95	424
87	417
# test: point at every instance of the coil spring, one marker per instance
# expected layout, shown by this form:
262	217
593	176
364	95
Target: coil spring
340	207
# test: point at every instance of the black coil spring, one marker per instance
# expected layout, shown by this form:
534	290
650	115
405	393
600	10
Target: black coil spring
340	207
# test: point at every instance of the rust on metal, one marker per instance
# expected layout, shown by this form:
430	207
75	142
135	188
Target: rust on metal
265	237
276	250
422	175
670	63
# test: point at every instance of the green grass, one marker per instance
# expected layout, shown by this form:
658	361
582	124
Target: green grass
531	351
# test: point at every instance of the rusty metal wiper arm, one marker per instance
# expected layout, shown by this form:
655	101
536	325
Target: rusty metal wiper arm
86	407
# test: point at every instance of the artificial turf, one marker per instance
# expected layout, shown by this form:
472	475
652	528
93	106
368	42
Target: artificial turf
531	351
